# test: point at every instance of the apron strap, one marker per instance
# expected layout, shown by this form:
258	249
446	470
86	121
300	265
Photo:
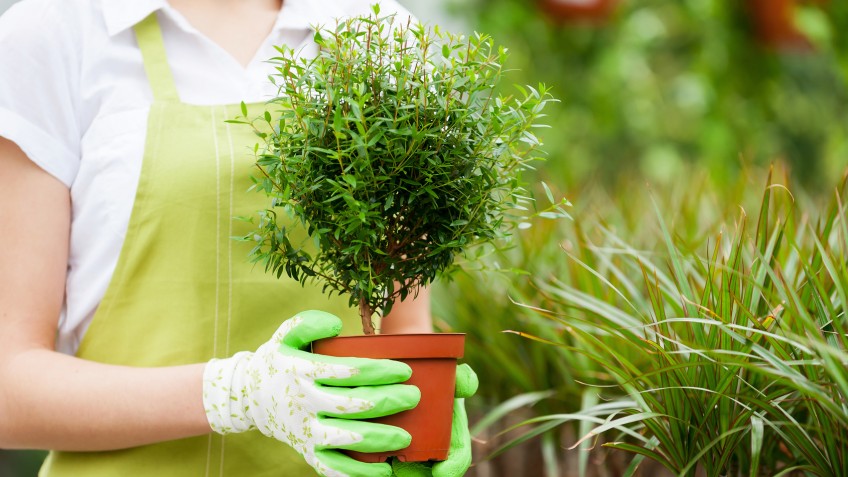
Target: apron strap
152	47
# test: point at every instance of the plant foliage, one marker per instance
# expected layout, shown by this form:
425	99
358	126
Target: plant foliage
391	150
707	336
728	359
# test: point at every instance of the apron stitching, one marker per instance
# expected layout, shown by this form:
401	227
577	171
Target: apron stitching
229	259
217	234
217	260
230	242
208	453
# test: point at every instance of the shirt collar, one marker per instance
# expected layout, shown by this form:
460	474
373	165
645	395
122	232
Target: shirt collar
121	14
301	14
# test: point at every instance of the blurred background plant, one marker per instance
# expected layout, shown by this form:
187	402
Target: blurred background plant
705	314
690	320
708	335
649	86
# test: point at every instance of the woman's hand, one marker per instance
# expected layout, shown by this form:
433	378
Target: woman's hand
309	401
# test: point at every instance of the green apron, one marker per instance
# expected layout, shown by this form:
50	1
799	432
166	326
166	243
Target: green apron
183	290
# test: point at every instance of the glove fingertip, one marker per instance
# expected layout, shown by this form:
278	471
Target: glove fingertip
383	371
385	471
345	465
403	371
309	326
466	381
450	468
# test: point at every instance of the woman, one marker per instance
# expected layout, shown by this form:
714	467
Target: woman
127	313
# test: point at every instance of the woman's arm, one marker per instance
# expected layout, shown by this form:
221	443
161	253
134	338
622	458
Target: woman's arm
409	316
49	400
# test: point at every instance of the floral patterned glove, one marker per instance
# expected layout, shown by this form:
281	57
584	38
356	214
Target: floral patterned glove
459	455
311	402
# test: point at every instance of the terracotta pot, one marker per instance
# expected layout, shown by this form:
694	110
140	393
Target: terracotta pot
775	26
579	10
432	358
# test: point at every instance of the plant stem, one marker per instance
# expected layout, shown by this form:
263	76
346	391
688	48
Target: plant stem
365	313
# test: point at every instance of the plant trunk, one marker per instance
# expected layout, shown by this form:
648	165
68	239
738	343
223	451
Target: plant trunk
365	314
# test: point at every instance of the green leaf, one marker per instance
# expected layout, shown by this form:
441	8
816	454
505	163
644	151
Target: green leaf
548	193
757	433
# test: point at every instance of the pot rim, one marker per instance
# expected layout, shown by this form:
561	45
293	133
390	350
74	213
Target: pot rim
395	346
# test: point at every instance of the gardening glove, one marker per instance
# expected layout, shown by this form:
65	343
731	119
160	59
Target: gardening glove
459	454
309	401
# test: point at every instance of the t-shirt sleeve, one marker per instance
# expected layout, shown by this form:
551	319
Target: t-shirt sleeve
39	85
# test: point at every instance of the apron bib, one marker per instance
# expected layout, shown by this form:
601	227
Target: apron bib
183	290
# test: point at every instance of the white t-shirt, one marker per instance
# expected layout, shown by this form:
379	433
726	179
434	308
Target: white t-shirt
75	98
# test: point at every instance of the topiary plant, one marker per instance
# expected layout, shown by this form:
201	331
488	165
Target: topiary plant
390	148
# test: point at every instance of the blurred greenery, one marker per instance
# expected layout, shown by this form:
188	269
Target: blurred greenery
20	463
665	83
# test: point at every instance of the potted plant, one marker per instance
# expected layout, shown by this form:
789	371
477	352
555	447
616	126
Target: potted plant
391	149
774	24
579	10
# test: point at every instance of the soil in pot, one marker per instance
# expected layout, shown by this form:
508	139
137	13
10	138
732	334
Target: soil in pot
432	358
